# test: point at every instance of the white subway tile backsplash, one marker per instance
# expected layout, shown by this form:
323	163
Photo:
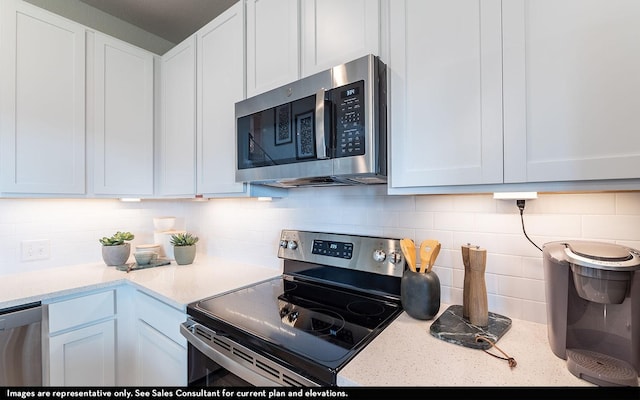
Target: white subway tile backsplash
498	223
455	221
567	226
248	230
628	203
621	227
534	311
532	268
580	204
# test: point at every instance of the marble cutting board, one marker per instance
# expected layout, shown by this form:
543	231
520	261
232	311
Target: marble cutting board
452	327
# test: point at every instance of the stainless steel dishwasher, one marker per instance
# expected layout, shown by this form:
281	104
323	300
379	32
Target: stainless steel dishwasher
21	345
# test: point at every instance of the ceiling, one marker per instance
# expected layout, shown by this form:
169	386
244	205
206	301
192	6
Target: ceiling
172	20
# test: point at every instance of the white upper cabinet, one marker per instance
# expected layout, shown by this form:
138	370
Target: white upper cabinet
337	31
535	95
572	85
123	118
272	44
177	138
220	77
42	101
444	75
289	39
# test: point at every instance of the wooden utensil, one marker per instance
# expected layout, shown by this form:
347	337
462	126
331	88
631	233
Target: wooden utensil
409	251
434	255
427	248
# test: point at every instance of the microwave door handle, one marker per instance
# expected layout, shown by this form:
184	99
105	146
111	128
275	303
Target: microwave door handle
321	147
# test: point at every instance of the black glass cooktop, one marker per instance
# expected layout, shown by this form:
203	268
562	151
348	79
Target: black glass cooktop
324	324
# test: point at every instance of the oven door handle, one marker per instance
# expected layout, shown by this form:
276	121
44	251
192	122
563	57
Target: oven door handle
187	330
254	377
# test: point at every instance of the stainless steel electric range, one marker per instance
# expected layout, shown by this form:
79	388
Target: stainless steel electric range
336	294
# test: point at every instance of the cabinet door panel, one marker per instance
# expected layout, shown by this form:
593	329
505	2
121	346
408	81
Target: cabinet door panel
220	86
338	31
84	357
445	88
42	97
161	361
178	135
272	44
571	90
123	92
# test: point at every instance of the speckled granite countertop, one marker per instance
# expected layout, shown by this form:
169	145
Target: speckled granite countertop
177	285
405	354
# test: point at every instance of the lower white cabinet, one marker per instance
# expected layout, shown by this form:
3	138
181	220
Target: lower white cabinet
161	361
84	356
115	337
80	340
161	351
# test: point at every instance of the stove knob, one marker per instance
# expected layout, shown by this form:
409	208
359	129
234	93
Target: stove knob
292	245
284	243
292	316
379	256
395	257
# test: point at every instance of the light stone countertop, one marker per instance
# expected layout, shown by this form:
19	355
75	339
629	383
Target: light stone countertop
177	285
405	354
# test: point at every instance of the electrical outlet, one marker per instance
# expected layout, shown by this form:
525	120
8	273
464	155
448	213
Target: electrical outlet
36	249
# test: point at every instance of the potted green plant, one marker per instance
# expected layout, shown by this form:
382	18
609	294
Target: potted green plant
184	247
115	249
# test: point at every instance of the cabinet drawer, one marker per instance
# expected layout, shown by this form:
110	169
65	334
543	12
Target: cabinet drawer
160	316
81	310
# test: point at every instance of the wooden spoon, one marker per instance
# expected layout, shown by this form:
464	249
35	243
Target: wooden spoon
434	255
409	251
426	250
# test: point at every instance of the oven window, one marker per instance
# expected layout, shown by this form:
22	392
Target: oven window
205	372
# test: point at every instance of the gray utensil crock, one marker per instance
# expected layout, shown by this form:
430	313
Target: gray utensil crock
420	294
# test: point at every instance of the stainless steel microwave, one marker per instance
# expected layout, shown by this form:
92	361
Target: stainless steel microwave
326	129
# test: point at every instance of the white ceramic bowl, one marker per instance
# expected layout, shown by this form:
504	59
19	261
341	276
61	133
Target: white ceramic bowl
145	257
162	224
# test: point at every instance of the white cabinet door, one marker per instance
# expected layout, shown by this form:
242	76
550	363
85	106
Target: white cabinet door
445	93
177	161
220	49
123	112
161	361
161	350
84	357
272	44
42	101
80	339
571	79
337	31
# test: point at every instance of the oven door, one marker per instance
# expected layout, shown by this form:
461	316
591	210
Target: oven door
215	360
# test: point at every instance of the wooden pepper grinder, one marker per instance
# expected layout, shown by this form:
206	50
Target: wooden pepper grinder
467	278
478	304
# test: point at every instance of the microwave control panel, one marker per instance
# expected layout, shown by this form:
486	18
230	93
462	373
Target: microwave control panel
350	119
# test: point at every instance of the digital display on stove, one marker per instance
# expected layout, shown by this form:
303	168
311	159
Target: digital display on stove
333	249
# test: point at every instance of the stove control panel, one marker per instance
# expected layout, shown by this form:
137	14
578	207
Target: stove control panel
332	249
366	253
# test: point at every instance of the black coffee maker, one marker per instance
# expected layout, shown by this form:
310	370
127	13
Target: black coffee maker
593	309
